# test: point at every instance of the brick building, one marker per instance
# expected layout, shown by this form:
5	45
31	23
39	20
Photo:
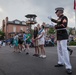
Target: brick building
10	27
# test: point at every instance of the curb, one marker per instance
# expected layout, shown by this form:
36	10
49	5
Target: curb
71	46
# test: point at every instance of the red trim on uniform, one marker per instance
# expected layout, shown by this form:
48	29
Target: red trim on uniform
74	4
63	25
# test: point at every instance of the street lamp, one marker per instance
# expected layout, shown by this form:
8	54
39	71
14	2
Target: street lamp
31	20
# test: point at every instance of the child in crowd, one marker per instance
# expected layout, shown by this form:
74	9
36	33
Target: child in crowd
0	43
28	42
15	43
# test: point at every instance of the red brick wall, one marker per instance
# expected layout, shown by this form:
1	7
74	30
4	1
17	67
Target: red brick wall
8	28
18	28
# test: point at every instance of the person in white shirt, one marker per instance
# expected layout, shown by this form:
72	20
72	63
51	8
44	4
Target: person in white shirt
41	41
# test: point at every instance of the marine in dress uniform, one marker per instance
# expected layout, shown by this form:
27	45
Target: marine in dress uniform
62	36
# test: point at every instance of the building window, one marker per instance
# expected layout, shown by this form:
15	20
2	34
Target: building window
21	28
24	23
17	22
14	29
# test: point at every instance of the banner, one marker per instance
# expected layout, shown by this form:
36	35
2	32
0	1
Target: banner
74	4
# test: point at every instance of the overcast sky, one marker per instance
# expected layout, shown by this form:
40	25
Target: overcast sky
17	9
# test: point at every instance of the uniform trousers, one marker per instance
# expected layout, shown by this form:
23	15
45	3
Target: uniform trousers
63	55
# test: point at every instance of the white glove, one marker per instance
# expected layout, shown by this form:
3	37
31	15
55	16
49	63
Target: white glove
49	17
52	24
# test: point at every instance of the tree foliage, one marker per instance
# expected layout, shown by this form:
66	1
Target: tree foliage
51	31
2	34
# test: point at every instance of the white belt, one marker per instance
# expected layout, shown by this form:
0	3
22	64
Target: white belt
62	29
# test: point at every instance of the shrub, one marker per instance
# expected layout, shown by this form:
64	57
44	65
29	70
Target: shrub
72	43
2	34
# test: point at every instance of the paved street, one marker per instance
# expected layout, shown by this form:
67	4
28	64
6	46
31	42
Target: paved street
21	64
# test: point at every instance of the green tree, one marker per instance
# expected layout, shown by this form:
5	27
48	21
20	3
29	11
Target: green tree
72	30
51	31
2	34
